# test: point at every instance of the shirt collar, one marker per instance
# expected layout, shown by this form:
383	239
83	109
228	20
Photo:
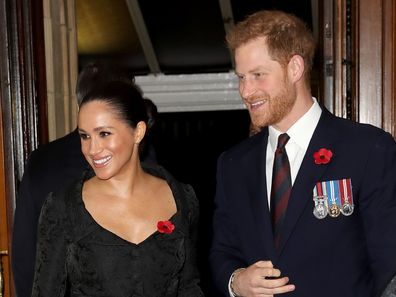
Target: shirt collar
301	132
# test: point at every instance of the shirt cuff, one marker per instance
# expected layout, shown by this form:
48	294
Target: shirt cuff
229	287
230	291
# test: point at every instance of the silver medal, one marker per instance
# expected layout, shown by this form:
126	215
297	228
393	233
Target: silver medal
347	209
320	211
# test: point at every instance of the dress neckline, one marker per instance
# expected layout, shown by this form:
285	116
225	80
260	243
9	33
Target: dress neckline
128	242
174	218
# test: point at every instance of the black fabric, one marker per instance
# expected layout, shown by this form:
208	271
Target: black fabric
77	257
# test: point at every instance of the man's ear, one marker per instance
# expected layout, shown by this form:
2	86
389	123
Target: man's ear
295	68
140	131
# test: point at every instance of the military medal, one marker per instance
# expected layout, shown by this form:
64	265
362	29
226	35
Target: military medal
345	186
335	203
347	209
334	211
320	210
333	198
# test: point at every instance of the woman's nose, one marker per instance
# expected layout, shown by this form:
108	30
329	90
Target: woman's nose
94	147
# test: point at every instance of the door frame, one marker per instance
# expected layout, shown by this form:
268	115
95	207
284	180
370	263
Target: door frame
23	107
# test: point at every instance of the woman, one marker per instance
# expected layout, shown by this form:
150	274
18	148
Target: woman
124	229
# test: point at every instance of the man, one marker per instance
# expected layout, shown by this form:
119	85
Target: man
310	214
49	169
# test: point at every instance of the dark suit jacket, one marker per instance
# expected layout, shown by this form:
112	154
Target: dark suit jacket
49	168
343	256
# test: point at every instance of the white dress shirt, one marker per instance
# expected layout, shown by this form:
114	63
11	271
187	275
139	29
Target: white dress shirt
300	135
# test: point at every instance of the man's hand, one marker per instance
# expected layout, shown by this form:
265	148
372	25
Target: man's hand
258	280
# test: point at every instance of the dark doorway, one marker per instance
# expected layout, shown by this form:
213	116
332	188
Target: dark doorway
188	145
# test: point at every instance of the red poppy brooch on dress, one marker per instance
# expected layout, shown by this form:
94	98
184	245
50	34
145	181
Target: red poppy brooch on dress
323	156
165	227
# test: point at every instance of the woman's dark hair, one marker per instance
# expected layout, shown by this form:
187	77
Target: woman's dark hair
124	98
95	74
152	113
147	150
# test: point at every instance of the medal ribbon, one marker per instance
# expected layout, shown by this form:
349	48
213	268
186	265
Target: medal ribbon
332	192
318	193
338	192
346	191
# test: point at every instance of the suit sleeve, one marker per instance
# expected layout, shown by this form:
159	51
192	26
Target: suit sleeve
225	256
24	234
378	209
50	275
189	280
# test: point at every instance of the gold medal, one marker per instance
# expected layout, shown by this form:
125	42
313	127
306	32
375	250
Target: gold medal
334	211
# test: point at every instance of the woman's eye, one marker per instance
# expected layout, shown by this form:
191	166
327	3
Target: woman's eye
84	136
104	134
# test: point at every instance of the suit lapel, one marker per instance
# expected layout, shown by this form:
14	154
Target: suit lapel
301	196
255	180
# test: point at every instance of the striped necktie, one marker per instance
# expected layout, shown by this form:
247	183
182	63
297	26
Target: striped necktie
281	187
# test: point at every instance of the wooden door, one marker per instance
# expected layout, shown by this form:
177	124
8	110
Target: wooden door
22	109
359	60
5	226
376	63
6	160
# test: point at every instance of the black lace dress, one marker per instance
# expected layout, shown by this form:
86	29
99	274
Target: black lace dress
78	257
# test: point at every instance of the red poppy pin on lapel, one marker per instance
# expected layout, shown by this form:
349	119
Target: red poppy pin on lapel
165	227
323	156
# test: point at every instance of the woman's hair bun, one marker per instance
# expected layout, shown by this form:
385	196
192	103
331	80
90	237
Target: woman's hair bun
152	112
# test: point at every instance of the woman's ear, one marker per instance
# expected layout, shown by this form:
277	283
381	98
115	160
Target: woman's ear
140	131
296	68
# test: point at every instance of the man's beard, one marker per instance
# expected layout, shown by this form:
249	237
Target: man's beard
277	107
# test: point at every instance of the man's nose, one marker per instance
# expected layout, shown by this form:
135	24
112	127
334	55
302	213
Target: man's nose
247	88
